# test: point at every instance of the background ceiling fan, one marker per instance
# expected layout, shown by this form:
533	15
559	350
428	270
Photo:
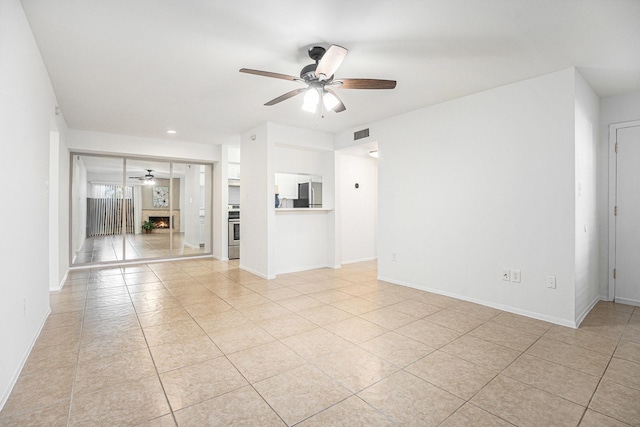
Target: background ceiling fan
146	179
319	78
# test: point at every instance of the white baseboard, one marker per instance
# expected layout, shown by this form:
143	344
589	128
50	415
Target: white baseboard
16	374
305	268
582	315
627	301
257	273
61	284
514	310
353	261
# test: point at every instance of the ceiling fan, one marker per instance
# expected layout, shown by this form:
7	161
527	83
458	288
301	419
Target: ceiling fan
146	179
319	78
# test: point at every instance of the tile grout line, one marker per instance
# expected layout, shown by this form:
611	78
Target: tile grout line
155	366
221	352
75	372
249	383
595	390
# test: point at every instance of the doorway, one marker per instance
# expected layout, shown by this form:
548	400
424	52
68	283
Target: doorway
624	245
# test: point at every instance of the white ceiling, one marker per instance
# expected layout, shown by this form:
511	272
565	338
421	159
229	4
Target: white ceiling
144	66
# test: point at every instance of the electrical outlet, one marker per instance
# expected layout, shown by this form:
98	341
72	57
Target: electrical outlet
394	256
506	274
551	282
515	276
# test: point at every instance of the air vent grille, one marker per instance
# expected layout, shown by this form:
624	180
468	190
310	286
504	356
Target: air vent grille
364	133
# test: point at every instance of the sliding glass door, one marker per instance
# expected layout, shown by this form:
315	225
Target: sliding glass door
129	209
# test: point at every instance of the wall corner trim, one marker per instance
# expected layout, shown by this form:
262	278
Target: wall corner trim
582	315
264	276
61	284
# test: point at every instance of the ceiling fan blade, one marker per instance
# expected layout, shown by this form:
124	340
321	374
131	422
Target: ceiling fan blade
287	96
270	74
330	62
367	84
340	107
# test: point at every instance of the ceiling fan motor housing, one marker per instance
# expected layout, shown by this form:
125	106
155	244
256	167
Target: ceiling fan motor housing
316	53
308	72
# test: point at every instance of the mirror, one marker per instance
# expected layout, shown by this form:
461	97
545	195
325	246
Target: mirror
96	209
126	209
295	190
155	215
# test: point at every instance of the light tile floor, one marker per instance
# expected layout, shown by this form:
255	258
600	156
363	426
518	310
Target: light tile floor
200	342
157	244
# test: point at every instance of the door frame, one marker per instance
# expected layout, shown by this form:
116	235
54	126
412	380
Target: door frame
613	170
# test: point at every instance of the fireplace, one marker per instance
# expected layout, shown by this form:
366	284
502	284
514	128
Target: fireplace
160	221
162	215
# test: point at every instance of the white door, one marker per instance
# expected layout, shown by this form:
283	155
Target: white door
627	253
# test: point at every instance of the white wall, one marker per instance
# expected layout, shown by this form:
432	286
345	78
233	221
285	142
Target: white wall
27	112
587	291
58	203
358	216
478	184
615	109
106	143
255	253
220	206
302	241
78	204
300	138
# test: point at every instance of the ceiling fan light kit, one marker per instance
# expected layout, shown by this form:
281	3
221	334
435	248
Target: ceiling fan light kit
311	98
319	77
330	100
147	179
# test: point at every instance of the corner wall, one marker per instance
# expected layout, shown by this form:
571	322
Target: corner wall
256	180
266	248
27	112
587	112
482	183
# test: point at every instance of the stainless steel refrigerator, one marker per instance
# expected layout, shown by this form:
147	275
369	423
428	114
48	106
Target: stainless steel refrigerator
311	194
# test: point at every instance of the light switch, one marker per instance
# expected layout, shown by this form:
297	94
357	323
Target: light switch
515	276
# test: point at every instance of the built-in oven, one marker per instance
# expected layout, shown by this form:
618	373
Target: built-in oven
234	231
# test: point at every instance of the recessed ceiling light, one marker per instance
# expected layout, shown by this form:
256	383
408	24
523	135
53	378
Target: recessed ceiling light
171	132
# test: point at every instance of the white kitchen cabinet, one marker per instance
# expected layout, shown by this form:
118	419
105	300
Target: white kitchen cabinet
233	170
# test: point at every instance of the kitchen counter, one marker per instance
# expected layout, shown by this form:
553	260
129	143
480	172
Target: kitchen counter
303	209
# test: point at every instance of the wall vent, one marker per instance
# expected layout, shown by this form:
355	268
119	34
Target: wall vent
364	133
